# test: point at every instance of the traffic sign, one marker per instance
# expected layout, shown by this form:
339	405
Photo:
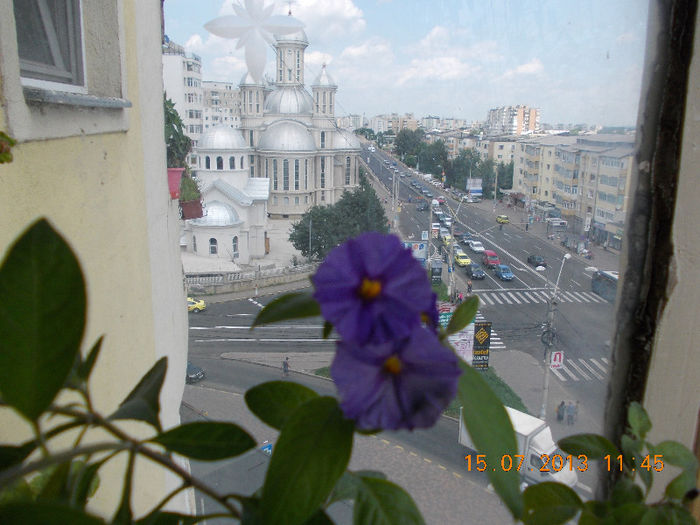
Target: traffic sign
267	448
557	360
424	235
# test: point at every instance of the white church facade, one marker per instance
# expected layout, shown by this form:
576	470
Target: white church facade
287	156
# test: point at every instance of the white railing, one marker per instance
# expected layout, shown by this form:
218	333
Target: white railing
252	275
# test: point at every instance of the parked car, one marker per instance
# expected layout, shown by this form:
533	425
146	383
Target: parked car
502	271
536	260
448	222
422	206
474	271
490	259
461	259
446	239
441	199
502	219
475	246
194	373
195	305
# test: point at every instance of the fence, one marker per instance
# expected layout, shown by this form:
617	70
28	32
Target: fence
248	280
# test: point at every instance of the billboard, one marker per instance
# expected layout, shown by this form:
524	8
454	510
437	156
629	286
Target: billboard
473	187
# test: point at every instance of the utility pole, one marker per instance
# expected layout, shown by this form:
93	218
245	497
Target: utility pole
495	190
451	287
430	241
548	334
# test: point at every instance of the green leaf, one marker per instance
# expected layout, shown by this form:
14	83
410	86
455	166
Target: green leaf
626	491
86	481
550	503
42	318
275	401
647	477
311	453
676	454
638	420
680	485
55	485
680	515
327	329
86	366
206	440
381	502
631	448
43	512
142	402
14	454
319	518
629	514
348	484
289	306
17	491
492	433
592	445
463	315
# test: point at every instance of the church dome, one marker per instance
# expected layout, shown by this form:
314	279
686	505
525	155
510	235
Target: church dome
222	138
217	214
291	100
286	135
298	37
345	140
324	79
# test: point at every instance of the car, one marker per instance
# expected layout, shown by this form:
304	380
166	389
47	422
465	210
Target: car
536	260
446	239
502	271
461	259
441	199
502	219
194	373
474	271
422	206
428	194
475	246
490	259
448	222
195	305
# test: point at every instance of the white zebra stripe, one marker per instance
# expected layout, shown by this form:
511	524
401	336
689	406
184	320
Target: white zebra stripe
590	369
512	295
573	365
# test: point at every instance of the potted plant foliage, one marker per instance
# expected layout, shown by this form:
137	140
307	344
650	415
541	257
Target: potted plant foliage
190	198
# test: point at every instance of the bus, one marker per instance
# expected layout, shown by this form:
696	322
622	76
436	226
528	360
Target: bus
604	283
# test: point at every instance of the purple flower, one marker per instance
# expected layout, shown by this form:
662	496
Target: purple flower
372	289
397	384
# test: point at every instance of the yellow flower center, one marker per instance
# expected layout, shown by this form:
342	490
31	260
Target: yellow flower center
392	365
426	319
369	289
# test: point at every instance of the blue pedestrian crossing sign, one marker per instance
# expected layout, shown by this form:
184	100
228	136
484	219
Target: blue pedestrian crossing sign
267	448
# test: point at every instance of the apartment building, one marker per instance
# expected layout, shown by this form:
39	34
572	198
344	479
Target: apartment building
182	81
513	120
221	104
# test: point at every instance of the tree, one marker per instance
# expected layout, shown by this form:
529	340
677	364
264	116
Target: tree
408	141
366	133
178	144
357	211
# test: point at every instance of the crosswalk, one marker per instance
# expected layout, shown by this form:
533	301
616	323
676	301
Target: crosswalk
534	296
576	369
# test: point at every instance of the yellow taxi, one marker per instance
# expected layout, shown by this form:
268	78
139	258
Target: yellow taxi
502	219
195	305
447	240
461	259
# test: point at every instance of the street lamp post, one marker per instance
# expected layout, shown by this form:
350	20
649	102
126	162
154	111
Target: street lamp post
450	264
548	337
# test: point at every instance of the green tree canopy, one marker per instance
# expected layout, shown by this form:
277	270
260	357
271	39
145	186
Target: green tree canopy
356	212
177	143
366	133
408	141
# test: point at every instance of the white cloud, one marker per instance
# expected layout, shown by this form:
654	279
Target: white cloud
436	69
315	59
532	67
327	20
372	52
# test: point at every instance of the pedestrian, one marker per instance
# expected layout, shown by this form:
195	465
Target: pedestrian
461	297
570	413
285	367
469	286
560	412
527	225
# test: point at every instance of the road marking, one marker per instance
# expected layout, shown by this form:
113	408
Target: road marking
569	373
458	476
486	298
594	297
534	298
427	460
398	446
604	360
514	298
583	374
239	315
413	454
596	363
497	299
591	369
577	284
556	373
255	302
386	442
574	296
442	467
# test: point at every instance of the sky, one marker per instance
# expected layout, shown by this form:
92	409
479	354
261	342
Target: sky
578	61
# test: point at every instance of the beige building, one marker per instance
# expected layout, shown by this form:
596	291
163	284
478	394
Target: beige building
221	105
513	120
91	158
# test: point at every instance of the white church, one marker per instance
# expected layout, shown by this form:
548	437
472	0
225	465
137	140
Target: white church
287	156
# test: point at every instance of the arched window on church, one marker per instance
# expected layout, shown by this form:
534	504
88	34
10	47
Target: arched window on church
234	244
306	174
274	174
219	163
285	174
212	246
194	244
242	162
207	163
323	139
232	163
323	173
347	171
